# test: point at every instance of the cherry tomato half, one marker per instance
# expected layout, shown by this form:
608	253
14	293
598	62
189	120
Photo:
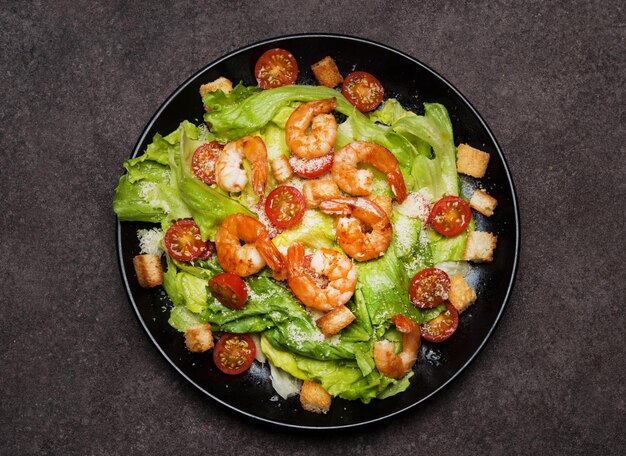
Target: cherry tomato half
203	161
363	91
183	241
450	216
442	327
312	168
276	67
429	288
284	206
234	353
229	290
207	251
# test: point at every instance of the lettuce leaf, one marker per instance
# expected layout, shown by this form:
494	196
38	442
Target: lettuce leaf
254	112
218	100
342	379
390	113
437	175
148	192
315	230
208	205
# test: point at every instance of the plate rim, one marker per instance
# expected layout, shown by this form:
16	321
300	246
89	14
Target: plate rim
482	121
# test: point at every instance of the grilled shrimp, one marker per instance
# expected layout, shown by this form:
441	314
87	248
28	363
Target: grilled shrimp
250	258
395	365
228	171
358	182
316	115
323	281
363	231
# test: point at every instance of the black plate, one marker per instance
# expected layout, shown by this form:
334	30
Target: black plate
412	83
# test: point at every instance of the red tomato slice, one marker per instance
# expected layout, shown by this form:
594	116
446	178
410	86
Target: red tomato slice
183	241
429	288
229	289
234	353
363	90
314	167
450	216
203	161
207	251
276	67
284	206
442	327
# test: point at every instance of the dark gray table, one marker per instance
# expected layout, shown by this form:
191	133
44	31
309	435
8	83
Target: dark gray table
80	80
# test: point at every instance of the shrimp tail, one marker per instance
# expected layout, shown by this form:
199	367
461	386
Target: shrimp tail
403	324
256	153
337	206
295	258
273	257
397	184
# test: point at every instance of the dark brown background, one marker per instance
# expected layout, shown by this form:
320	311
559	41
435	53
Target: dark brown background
80	80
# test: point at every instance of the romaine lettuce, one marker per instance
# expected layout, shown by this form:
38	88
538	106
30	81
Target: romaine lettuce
342	379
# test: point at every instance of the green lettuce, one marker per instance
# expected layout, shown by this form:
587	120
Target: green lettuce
148	192
383	289
315	230
255	111
342	379
208	205
390	113
437	174
218	100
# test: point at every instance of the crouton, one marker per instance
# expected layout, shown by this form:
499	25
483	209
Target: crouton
316	191
220	83
461	295
199	338
327	73
314	398
383	201
149	270
281	168
335	320
480	246
483	203
470	161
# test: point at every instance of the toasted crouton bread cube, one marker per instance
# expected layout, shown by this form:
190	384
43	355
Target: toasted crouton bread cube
461	295
483	203
281	169
327	73
470	161
220	83
199	337
314	397
383	201
148	269
480	246
316	191
335	320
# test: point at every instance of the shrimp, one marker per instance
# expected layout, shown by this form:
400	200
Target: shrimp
317	116
364	230
250	258
326	283
228	172
395	365
358	182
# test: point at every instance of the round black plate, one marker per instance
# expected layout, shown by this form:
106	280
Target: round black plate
412	83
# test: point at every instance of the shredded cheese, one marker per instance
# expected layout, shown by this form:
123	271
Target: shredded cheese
150	241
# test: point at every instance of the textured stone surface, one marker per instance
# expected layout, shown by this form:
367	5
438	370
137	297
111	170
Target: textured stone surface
80	80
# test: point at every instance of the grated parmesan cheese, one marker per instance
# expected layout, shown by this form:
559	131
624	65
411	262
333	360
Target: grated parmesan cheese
150	241
416	205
